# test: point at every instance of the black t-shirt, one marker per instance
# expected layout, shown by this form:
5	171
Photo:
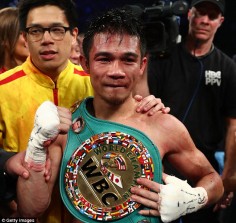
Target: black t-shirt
201	92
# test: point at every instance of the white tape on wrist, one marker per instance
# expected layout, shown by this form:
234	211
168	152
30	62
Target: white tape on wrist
45	130
178	198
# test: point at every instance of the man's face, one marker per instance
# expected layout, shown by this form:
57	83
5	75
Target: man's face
49	55
204	20
115	65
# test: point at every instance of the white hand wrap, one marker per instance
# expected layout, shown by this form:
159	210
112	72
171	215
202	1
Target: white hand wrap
45	130
178	198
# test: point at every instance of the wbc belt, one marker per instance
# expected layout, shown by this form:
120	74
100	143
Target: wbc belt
100	164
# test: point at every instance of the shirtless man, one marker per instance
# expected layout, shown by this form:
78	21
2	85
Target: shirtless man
114	56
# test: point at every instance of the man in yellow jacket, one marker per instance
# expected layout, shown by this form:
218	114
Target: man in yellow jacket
46	75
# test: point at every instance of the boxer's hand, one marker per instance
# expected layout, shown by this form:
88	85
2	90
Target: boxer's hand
44	132
178	198
169	201
65	119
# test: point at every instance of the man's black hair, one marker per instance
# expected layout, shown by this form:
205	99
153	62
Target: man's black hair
115	21
67	6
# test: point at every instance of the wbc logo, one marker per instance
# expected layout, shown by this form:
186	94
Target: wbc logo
101	172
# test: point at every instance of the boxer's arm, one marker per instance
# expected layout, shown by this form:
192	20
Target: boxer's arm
34	193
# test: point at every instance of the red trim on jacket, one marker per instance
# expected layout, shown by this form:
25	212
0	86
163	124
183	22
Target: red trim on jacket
80	72
55	96
13	77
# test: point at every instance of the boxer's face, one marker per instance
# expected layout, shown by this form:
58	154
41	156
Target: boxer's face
115	65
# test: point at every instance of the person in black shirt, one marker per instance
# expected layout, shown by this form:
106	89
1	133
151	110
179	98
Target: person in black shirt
197	81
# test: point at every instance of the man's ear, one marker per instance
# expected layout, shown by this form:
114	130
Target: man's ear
143	64
25	38
74	34
189	13
84	63
221	20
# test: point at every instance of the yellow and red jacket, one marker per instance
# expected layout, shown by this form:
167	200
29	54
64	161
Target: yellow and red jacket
22	90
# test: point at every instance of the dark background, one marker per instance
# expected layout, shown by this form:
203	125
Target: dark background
225	38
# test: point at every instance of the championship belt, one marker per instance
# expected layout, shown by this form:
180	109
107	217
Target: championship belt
101	162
